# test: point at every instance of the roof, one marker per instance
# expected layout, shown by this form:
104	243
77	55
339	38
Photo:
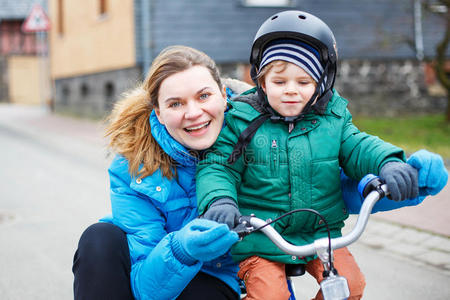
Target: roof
18	9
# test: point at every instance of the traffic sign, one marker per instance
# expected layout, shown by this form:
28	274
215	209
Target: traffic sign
37	20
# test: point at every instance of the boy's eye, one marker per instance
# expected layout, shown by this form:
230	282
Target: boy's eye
204	96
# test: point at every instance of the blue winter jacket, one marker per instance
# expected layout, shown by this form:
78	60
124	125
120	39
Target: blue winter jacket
150	211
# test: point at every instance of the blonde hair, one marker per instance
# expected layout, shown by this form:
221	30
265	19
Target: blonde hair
128	124
276	63
262	74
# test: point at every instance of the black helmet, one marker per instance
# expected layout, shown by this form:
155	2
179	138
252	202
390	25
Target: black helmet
301	26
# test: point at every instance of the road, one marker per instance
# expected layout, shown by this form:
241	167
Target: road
54	183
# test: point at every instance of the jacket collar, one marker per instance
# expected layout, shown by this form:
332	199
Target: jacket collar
337	105
173	148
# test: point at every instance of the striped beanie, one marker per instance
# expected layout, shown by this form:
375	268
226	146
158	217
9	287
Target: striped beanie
296	52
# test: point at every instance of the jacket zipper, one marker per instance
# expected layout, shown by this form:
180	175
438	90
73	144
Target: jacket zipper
274	160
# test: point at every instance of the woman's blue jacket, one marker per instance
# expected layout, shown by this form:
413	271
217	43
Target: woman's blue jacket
150	211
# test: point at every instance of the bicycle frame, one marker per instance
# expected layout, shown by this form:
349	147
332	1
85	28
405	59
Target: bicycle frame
333	287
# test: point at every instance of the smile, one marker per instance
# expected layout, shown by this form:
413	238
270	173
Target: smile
190	129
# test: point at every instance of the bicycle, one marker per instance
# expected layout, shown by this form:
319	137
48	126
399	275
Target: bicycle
334	286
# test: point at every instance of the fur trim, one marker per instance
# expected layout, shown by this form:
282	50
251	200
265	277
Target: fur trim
237	86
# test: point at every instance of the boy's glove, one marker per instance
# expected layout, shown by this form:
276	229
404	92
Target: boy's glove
433	175
223	210
401	180
202	240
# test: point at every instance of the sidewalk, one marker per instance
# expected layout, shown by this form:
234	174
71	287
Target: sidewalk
432	215
40	119
420	233
411	244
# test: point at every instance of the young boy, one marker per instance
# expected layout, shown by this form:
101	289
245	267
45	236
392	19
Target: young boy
282	149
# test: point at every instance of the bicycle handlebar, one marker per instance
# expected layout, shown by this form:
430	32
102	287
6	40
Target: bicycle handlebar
323	243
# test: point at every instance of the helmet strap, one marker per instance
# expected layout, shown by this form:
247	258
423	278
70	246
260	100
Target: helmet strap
311	103
254	74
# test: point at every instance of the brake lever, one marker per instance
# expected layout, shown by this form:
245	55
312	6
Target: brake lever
244	227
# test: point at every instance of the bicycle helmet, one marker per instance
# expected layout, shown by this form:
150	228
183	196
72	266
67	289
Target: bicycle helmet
300	26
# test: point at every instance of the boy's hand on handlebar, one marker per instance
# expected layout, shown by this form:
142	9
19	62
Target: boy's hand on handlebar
401	180
223	210
202	240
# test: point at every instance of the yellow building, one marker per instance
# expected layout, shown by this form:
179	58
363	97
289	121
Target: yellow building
91	38
28	80
23	55
93	55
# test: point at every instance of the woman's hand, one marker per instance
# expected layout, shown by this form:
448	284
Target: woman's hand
433	175
202	240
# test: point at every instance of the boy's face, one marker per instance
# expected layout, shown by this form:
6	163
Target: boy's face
288	88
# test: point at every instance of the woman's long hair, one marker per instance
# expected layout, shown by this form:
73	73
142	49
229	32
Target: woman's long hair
128	124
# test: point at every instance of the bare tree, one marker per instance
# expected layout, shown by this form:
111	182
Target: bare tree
441	49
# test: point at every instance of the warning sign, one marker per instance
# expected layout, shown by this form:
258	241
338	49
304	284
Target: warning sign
37	20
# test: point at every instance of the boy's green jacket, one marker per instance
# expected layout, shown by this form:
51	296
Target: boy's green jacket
281	171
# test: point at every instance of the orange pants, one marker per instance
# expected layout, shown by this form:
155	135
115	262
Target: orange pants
266	279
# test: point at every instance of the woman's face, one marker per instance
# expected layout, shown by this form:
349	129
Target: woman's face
191	107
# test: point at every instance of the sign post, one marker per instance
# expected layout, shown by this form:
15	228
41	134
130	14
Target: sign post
39	23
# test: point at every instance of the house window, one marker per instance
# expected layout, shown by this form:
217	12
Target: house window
109	92
65	95
84	91
60	17
103	7
268	3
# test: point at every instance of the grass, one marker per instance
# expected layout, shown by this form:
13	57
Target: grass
411	133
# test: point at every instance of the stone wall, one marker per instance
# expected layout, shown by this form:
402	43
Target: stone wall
387	88
93	95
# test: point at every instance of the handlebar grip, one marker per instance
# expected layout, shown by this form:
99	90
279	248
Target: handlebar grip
370	183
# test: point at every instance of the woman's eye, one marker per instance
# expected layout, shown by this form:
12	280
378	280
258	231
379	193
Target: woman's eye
204	96
175	104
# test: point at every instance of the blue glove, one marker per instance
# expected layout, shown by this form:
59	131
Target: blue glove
433	175
223	210
202	240
401	180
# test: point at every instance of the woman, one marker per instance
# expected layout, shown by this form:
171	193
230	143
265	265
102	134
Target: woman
158	131
153	247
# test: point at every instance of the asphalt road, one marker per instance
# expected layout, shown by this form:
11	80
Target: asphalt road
54	184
